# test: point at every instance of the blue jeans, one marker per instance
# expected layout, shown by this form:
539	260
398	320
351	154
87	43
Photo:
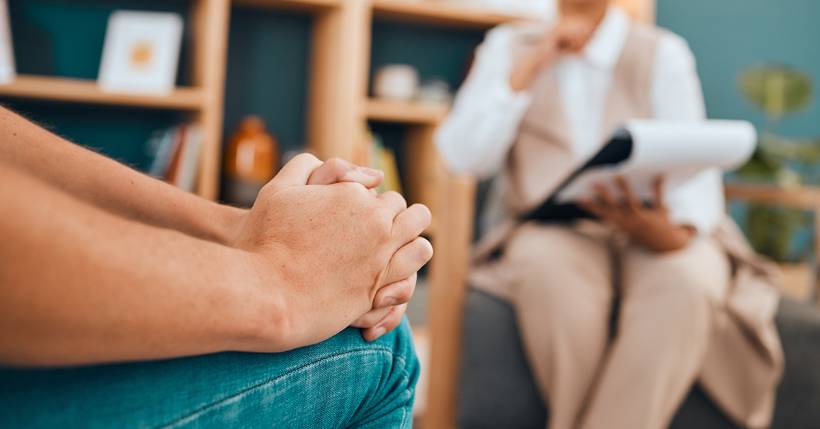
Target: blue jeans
343	382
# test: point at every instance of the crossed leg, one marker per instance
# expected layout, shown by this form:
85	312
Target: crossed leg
664	328
563	298
342	382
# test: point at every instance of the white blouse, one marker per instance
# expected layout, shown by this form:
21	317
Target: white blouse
486	114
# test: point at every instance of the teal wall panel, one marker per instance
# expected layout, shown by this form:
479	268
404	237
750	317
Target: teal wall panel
435	51
65	37
120	133
268	72
730	35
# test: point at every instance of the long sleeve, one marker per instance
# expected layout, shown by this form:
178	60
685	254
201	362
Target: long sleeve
677	95
486	114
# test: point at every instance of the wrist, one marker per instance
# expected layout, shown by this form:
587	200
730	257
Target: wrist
526	70
226	223
262	316
523	74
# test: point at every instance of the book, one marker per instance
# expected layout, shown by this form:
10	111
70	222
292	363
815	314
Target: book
177	151
163	145
171	171
188	167
646	149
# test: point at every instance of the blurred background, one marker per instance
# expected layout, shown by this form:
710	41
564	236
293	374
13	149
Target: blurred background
249	83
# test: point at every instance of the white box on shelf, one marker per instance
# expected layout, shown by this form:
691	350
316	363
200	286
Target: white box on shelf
7	72
141	52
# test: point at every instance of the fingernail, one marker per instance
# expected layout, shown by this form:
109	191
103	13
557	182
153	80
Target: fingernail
378	332
370	171
389	301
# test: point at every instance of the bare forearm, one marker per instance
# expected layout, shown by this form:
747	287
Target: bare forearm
123	191
79	285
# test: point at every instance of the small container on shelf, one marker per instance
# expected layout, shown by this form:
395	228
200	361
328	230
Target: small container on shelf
250	162
396	82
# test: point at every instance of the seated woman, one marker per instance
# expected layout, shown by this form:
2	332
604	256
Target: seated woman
103	266
540	100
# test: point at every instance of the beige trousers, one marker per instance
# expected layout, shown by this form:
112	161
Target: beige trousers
634	377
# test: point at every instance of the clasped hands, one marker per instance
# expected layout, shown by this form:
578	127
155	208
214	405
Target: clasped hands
332	252
649	225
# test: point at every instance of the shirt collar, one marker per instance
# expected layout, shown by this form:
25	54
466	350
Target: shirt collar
604	48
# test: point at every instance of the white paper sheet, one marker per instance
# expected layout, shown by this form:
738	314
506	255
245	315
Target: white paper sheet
676	150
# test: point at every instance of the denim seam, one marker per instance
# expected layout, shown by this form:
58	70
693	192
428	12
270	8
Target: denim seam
405	377
367	351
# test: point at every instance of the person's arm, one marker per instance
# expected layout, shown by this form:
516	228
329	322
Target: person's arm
107	184
677	95
80	285
486	114
693	208
491	103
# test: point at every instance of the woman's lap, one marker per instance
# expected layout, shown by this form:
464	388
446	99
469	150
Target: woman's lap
342	382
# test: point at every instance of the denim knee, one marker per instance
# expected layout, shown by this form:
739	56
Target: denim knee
342	382
391	405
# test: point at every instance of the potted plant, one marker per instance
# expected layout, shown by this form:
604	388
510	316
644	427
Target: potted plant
779	91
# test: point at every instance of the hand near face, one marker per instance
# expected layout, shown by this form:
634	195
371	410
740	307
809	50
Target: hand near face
569	36
649	225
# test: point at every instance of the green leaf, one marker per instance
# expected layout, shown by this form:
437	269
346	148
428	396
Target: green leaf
776	90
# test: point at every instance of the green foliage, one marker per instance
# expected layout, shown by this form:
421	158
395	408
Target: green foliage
776	90
771	229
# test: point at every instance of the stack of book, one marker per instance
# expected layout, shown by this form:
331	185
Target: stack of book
176	160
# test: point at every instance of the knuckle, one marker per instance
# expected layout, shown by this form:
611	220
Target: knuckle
354	193
396	196
369	320
382	219
394	320
404	293
305	156
337	164
349	188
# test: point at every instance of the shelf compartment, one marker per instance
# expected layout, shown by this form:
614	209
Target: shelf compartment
405	112
441	13
87	92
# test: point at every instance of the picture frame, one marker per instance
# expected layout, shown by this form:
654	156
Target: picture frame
141	52
7	65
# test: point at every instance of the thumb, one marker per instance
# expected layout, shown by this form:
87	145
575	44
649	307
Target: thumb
297	171
337	170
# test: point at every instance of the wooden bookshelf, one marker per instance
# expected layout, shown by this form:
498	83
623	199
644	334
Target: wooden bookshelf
87	91
299	5
405	112
440	12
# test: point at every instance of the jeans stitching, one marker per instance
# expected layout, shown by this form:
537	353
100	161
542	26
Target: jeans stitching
405	378
207	407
